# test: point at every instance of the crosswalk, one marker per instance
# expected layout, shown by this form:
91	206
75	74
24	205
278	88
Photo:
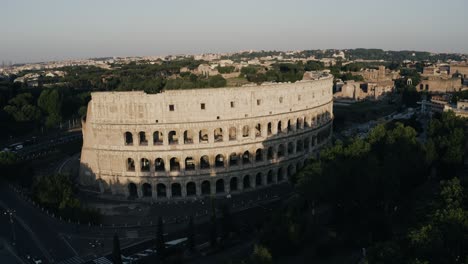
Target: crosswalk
102	260
73	260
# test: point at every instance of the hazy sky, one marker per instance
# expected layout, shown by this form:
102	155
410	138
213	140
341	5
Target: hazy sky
41	30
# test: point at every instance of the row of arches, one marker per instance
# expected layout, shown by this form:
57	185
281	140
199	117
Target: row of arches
228	134
246	182
220	160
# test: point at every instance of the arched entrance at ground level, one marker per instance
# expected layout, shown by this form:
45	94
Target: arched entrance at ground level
280	174
205	188
233	184
220	186
161	190
176	190
132	190
191	189
270	177
246	182
258	179
146	189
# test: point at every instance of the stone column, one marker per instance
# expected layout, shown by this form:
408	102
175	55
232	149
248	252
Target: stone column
181	137
154	193
168	190
139	191
225	134
183	187
274	128
213	187
198	188
211	136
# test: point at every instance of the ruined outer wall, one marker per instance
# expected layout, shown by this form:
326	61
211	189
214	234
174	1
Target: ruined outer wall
252	119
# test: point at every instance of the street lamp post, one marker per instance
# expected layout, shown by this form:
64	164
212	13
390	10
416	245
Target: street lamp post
10	213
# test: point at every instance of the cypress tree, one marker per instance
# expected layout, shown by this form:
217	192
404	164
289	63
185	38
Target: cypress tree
160	243
116	255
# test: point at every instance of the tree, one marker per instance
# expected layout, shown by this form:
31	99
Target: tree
226	222
22	108
261	255
213	227
116	255
160	242
50	101
191	235
443	238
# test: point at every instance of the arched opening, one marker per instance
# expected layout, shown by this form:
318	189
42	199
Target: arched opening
157	138
159	165
130	164
427	87
205	188
233	184
233	159
258	130
220	186
258	179
161	190
280	128
176	190
188	137
204	162
203	136
189	164
146	190
219	161
145	164
191	189
289	128
259	155
298	123
246	157
421	86
174	164
270	177
269	130
232	133
128	137
299	146
142	137
280	151
270	153
132	190
280	174
290	148
246	182
306	122
245	131
173	137
218	135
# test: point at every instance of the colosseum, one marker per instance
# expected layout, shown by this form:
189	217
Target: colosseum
216	141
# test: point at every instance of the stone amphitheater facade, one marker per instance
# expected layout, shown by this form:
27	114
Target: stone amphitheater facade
189	143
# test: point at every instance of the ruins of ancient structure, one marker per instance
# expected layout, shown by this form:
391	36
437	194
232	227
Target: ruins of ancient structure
187	143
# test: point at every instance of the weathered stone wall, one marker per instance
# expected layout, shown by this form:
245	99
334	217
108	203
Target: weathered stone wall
215	140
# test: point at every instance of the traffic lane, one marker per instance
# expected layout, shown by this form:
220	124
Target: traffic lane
40	225
23	246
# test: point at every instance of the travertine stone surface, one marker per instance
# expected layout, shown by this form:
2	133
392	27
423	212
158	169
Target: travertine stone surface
183	143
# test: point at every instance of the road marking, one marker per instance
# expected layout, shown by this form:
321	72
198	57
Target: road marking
68	244
33	236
